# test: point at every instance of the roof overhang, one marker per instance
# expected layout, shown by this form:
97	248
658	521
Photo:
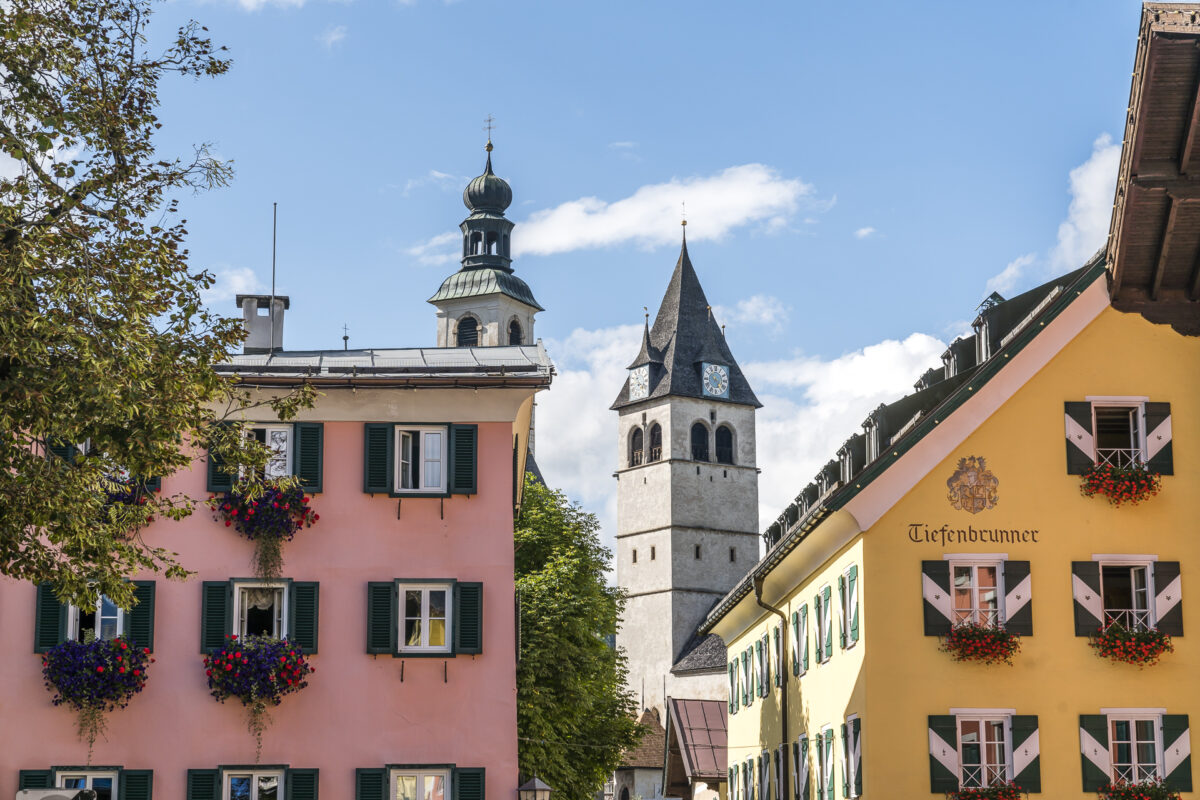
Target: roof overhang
1153	246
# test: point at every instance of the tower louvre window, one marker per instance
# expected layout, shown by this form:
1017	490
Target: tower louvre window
724	445
468	332
514	332
699	442
655	442
636	447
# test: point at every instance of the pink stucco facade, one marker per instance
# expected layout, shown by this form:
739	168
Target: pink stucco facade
359	710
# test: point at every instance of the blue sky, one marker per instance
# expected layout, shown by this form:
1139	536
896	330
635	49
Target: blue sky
857	179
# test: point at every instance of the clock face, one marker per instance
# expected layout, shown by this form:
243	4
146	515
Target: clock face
639	382
716	380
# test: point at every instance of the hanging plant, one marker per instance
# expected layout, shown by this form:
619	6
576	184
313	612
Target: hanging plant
1141	647
125	501
94	678
1121	484
259	671
267	514
1142	790
1000	791
986	644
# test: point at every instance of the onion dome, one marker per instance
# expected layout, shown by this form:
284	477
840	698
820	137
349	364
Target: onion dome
488	192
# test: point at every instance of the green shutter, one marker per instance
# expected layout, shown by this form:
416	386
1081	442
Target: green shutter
826	597
310	453
1177	752
49	620
34	779
140	618
152	484
829	757
778	632
136	784
1158	438
819	634
845	761
745	680
943	754
732	687
803	768
1094	753
467	783
803	640
66	452
301	784
464	440
378	444
1027	758
843	623
215	608
370	784
203	784
1018	605
757	671
1080	441
305	605
381	617
852	590
218	479
468	617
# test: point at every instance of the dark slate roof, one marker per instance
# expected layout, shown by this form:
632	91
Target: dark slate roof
700	728
531	466
701	654
685	333
648	753
484	281
649	354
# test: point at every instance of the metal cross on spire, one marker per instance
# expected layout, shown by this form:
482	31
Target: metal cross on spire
489	125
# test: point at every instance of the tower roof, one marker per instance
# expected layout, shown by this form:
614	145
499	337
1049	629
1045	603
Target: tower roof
684	335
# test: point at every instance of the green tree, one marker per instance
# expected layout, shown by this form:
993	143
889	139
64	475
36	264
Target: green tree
103	337
574	715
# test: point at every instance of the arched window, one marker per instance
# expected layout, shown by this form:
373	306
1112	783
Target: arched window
655	442
625	793
491	243
476	243
468	332
514	332
724	445
636	442
699	442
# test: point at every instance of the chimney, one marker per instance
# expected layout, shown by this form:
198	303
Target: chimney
263	335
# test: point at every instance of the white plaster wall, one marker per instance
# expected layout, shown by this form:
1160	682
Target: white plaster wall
494	312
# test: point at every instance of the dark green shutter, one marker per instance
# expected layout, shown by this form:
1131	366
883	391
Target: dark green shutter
1167	598
843	623
819	634
310	453
215	610
1080	443
468	783
935	594
303	614
1027	758
852	591
49	620
203	784
381	617
34	779
829	760
136	784
66	452
378	445
301	784
803	641
732	687
757	671
1177	751
218	480
779	652
140	618
826	602
463	446
803	769
152	484
370	784
943	754
1158	438
468	618
1094	753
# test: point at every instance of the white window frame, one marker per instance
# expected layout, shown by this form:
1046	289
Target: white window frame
443	460
974	564
88	777
1138	403
825	624
254	775
748	680
1132	618
282	621
825	759
73	620
851	742
425	588
420	775
847	606
1133	716
984	716
289	448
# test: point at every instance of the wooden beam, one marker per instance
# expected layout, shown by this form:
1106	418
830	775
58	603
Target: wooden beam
1164	249
1191	132
1193	292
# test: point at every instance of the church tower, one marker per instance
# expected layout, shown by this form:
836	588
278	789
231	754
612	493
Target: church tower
484	303
687	494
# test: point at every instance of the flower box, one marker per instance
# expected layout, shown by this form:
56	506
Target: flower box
1121	484
986	644
267	514
1142	647
1141	790
1002	791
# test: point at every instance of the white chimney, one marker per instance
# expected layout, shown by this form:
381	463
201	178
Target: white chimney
264	329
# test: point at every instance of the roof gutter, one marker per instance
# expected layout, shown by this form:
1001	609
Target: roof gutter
783	681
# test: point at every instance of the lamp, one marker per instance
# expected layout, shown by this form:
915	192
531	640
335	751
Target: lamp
534	789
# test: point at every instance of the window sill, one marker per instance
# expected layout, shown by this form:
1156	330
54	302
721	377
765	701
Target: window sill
425	654
442	493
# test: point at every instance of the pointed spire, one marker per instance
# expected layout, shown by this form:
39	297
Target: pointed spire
649	354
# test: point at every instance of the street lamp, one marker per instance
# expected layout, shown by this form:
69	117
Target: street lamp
535	789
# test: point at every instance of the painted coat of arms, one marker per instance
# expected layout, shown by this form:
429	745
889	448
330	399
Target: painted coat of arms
973	487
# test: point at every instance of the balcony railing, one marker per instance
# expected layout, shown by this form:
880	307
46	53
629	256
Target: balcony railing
656	453
1119	457
1135	773
635	459
985	617
1127	618
981	775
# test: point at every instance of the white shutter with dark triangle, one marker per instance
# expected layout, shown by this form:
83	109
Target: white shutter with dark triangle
843	623
1168	598
943	754
935	591
1177	752
1018	591
1089	606
1081	446
1158	439
800	768
1093	748
856	756
845	761
1027	762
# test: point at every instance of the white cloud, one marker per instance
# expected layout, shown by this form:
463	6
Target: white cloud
332	36
761	309
1092	185
433	252
232	281
255	5
435	178
863	233
622	145
1011	275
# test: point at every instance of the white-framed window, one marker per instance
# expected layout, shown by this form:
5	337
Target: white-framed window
853	754
420	784
426	611
825	761
1126	589
978	592
278	438
1135	746
422	458
104	784
984	749
848	605
824	625
253	785
260	608
1119	430
105	620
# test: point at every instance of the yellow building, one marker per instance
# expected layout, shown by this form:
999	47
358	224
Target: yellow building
959	508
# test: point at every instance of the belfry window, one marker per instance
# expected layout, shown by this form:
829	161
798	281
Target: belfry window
468	332
514	332
476	243
699	442
491	243
636	442
655	442
724	445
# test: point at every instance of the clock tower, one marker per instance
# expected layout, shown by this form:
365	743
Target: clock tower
687	494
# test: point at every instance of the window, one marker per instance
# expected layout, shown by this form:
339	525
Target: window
103	621
824	625
468	332
1121	431
279	439
421	454
257	785
651	552
104	784
420	784
747	679
825	762
427	618
777	655
848	605
636	450
724	445
699	442
800	640
1118	434
748	779
1134	747
259	609
976	593
655	442
514	332
1125	593
983	751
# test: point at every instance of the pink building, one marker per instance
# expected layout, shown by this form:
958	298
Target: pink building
402	592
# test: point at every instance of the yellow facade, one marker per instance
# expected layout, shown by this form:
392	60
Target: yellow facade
895	677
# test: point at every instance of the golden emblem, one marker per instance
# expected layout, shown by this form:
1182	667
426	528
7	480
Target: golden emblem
973	486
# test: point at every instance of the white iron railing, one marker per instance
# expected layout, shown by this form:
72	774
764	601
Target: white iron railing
1128	618
1119	457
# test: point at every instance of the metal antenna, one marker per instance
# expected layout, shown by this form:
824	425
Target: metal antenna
274	226
345	337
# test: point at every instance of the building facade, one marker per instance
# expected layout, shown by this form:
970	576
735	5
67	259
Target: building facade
402	594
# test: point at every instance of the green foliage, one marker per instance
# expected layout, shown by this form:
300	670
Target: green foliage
574	715
103	337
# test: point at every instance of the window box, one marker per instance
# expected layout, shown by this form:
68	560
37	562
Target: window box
419	459
1139	790
257	782
1000	791
56	622
1142	647
1132	484
424	618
